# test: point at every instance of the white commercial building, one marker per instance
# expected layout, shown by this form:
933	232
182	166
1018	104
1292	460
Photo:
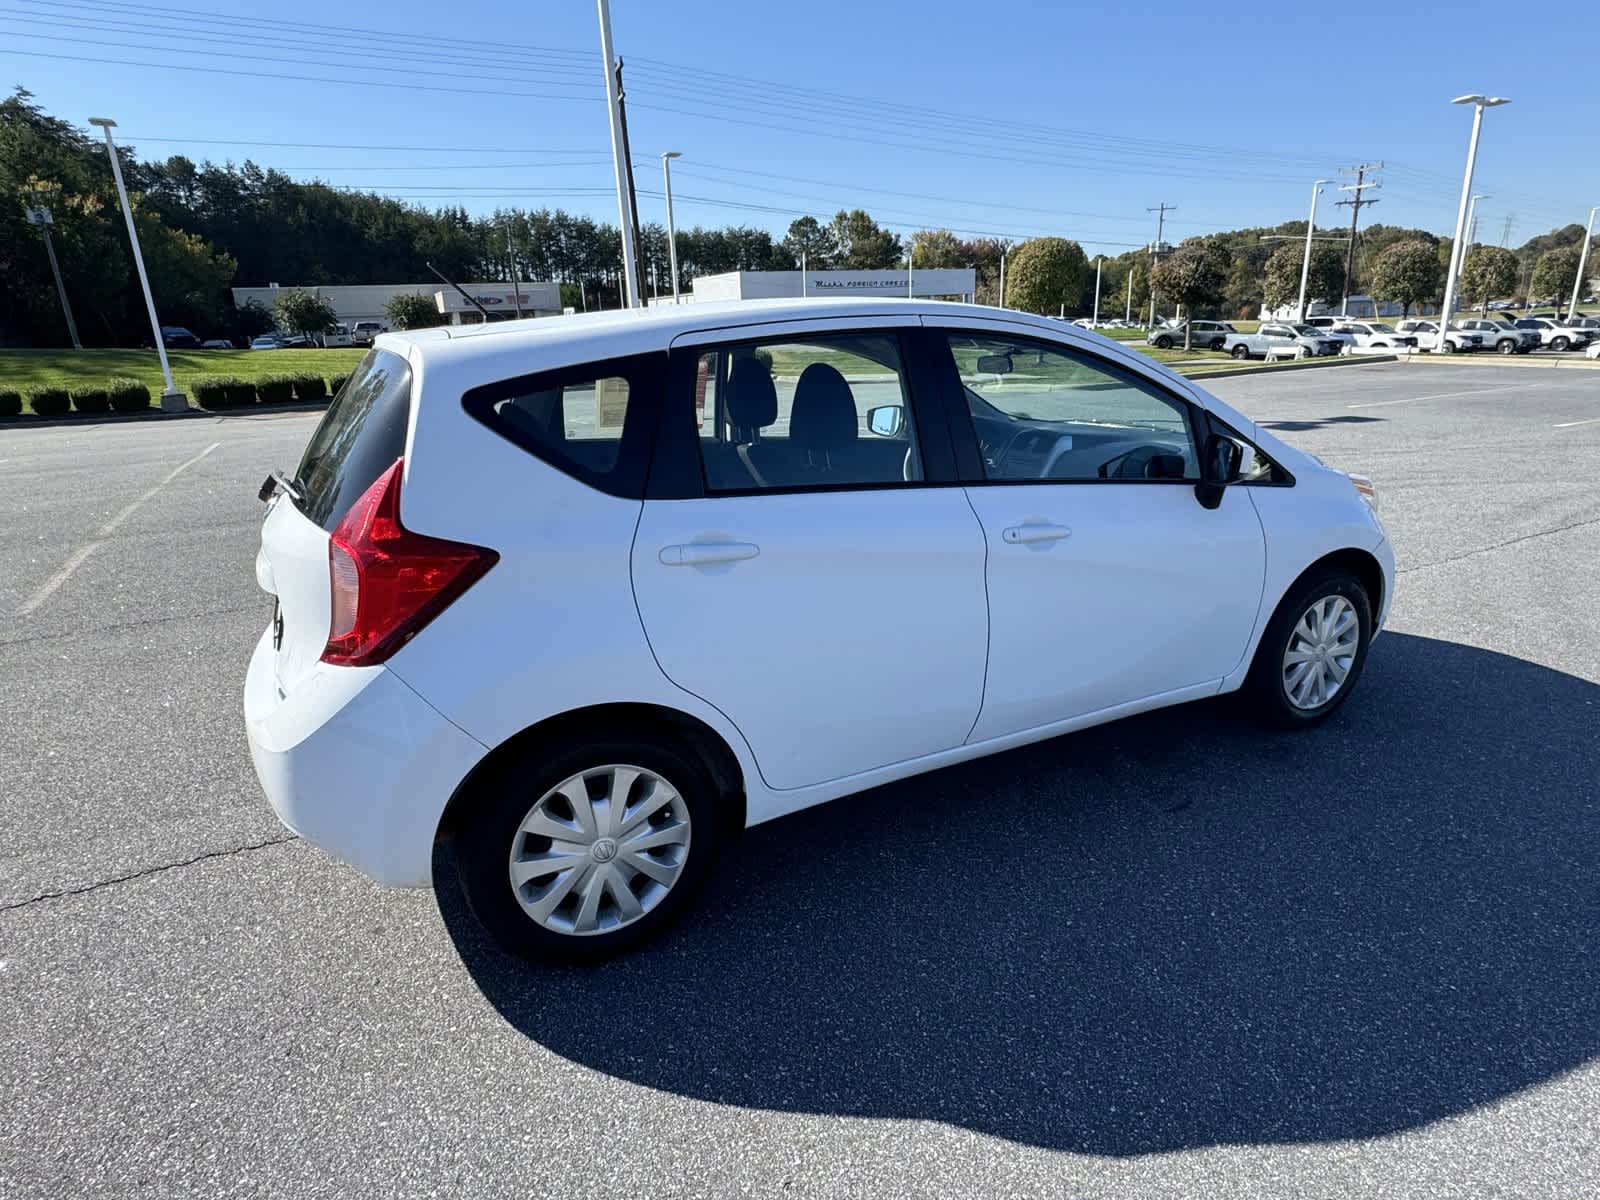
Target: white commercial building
958	283
366	301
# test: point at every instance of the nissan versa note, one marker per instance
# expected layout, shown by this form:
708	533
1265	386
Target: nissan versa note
577	599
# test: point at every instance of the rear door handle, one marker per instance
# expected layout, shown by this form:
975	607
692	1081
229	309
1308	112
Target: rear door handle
699	554
1017	535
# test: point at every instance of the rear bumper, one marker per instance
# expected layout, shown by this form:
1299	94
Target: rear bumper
357	763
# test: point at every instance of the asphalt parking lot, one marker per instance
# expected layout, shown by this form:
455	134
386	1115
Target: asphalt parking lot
1175	956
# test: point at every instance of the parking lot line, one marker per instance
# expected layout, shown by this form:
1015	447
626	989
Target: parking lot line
1446	395
1570	424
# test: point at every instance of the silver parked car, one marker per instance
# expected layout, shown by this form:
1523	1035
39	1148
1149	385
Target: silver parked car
1208	335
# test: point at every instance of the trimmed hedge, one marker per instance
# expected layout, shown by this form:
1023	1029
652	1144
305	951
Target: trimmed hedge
241	393
50	401
310	389
336	383
211	392
10	404
91	399
128	395
275	389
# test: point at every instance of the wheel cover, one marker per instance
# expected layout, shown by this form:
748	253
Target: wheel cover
1321	652
599	850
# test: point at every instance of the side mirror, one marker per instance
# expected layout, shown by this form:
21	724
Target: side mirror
887	420
994	364
1220	460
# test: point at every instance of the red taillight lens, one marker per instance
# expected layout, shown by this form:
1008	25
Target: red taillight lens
387	582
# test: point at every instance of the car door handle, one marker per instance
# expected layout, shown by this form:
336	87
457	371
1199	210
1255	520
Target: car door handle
699	554
1018	535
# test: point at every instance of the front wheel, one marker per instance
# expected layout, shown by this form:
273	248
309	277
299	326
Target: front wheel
1447	347
1313	650
575	855
1560	343
1163	343
1241	352
1506	346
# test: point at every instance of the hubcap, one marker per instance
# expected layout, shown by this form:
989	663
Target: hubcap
599	850
1321	651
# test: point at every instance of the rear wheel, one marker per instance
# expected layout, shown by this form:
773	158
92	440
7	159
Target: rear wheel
1560	343
1163	343
1506	346
1447	347
1241	352
576	855
1313	650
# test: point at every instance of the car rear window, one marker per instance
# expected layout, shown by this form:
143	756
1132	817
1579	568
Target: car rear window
361	434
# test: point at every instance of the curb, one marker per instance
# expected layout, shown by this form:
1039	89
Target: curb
1519	361
1342	360
29	421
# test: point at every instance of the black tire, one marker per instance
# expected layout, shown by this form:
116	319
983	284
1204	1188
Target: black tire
1241	352
1264	690
1506	346
484	841
1446	346
1560	343
1163	343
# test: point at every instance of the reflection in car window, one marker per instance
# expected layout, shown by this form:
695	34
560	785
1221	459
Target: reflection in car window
1043	413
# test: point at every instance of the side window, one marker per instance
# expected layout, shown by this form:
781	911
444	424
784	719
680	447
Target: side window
796	414
1043	413
580	420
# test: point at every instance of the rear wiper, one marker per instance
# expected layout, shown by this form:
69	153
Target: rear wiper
279	482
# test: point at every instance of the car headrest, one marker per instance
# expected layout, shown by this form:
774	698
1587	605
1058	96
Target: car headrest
752	396
824	413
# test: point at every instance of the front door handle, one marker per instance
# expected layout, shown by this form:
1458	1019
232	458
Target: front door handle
1018	535
700	554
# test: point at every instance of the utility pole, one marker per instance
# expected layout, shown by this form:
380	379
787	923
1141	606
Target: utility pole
39	215
1161	210
1003	254
621	165
1094	321
633	195
1505	230
516	287
1354	205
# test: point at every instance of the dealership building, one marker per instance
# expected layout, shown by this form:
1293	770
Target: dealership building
933	284
366	301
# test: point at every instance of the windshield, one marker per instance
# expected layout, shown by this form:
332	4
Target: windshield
1308	331
360	437
1383	329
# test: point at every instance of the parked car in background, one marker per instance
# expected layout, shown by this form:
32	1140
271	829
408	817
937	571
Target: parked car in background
1208	335
1375	335
1303	341
176	337
1456	340
335	338
362	332
574	749
1557	335
1593	351
266	341
216	344
1501	337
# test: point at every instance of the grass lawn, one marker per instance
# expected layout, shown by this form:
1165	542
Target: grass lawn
24	369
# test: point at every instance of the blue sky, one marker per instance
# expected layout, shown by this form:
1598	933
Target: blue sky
1003	118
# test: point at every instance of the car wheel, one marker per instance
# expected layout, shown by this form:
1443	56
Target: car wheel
1560	343
1312	651
1217	343
1447	347
576	855
1506	346
1163	343
1241	352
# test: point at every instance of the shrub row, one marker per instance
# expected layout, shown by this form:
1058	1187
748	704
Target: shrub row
129	395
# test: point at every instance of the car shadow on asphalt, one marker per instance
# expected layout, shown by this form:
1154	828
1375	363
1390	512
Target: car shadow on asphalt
1170	932
1301	426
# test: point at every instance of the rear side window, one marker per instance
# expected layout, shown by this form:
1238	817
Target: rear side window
361	434
593	422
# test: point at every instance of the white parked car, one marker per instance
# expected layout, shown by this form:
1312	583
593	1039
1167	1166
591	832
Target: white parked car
1593	351
1501	337
1278	339
1556	334
1375	335
362	332
1457	340
576	600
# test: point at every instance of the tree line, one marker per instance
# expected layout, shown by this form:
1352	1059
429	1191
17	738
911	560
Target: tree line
205	227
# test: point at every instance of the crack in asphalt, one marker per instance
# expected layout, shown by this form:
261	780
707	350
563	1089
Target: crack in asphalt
118	626
1527	537
147	871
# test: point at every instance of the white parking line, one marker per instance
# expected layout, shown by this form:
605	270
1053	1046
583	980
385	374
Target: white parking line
1447	395
50	585
1570	424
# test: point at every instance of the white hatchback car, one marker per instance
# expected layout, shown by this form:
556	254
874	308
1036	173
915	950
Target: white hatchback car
577	599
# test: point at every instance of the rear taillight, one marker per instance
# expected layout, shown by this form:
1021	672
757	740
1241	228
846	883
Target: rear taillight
387	582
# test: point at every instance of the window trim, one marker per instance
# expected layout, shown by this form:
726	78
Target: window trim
969	455
643	373
677	466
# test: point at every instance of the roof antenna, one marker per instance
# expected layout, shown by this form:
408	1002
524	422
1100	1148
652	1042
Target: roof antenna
443	278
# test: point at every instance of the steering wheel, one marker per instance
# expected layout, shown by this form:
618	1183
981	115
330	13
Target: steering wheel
1135	463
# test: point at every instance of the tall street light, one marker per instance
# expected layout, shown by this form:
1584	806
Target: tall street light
1583	261
1094	321
1472	224
672	238
172	399
1479	103
1305	263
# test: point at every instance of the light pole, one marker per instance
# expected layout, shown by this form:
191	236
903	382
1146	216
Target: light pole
1094	321
1583	261
1479	103
672	238
1305	263
911	254
1472	224
39	214
172	400
1003	254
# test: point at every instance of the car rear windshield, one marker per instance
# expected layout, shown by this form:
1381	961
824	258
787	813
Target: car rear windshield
361	434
